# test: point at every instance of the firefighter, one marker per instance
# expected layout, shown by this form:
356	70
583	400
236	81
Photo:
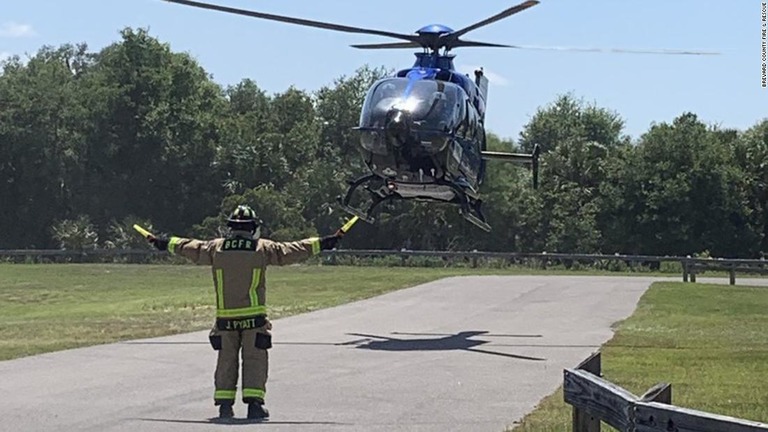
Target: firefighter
238	262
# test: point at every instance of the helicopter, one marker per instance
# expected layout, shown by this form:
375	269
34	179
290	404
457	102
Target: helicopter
422	130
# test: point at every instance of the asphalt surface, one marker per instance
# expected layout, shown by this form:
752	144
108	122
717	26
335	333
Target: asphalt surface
459	354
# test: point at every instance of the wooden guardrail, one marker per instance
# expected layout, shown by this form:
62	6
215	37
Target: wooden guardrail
731	267
690	266
595	400
474	256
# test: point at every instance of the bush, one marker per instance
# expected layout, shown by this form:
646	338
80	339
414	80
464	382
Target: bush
76	234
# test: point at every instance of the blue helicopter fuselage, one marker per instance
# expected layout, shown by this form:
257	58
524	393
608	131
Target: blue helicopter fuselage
425	125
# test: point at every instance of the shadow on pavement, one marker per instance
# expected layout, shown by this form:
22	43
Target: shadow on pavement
163	343
239	421
461	341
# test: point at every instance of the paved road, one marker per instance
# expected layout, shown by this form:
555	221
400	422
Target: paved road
459	354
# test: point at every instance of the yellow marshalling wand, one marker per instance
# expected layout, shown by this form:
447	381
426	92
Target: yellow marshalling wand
143	232
347	226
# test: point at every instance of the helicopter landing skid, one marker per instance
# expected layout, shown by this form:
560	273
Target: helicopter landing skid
469	207
376	197
476	220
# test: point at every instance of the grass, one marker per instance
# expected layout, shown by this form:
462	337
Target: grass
709	341
51	307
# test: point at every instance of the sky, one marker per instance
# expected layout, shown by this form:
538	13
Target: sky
724	90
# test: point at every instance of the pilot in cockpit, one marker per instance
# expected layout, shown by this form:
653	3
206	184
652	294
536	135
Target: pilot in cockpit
387	91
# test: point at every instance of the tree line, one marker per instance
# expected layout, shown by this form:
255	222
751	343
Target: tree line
92	142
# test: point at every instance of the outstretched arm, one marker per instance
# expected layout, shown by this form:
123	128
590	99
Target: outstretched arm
197	251
285	253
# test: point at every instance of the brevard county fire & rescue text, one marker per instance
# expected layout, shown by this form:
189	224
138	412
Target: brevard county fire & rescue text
764	34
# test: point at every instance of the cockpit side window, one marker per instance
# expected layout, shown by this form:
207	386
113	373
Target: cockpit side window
387	90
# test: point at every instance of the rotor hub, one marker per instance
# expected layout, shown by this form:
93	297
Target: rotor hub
434	29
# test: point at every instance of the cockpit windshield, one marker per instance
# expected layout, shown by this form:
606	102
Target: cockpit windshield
431	104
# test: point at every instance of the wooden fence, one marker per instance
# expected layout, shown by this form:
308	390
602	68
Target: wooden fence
595	400
729	266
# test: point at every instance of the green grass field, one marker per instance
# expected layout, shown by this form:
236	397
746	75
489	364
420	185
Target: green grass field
50	307
709	341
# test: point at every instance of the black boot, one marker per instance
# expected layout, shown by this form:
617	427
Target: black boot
256	410
226	411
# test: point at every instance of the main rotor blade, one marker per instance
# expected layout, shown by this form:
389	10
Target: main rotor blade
299	21
615	50
392	45
466	43
499	16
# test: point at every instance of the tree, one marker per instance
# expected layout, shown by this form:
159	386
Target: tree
568	119
91	141
42	136
240	155
155	120
682	193
577	142
281	214
751	154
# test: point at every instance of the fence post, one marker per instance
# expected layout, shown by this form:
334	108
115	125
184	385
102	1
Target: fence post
691	269
732	274
685	269
582	420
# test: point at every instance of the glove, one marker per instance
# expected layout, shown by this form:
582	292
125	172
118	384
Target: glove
329	242
161	243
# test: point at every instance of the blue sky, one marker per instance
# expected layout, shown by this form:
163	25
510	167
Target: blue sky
723	90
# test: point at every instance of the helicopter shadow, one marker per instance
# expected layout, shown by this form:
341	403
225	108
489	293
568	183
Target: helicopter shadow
461	341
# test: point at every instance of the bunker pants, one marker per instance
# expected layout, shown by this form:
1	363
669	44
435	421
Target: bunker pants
253	343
